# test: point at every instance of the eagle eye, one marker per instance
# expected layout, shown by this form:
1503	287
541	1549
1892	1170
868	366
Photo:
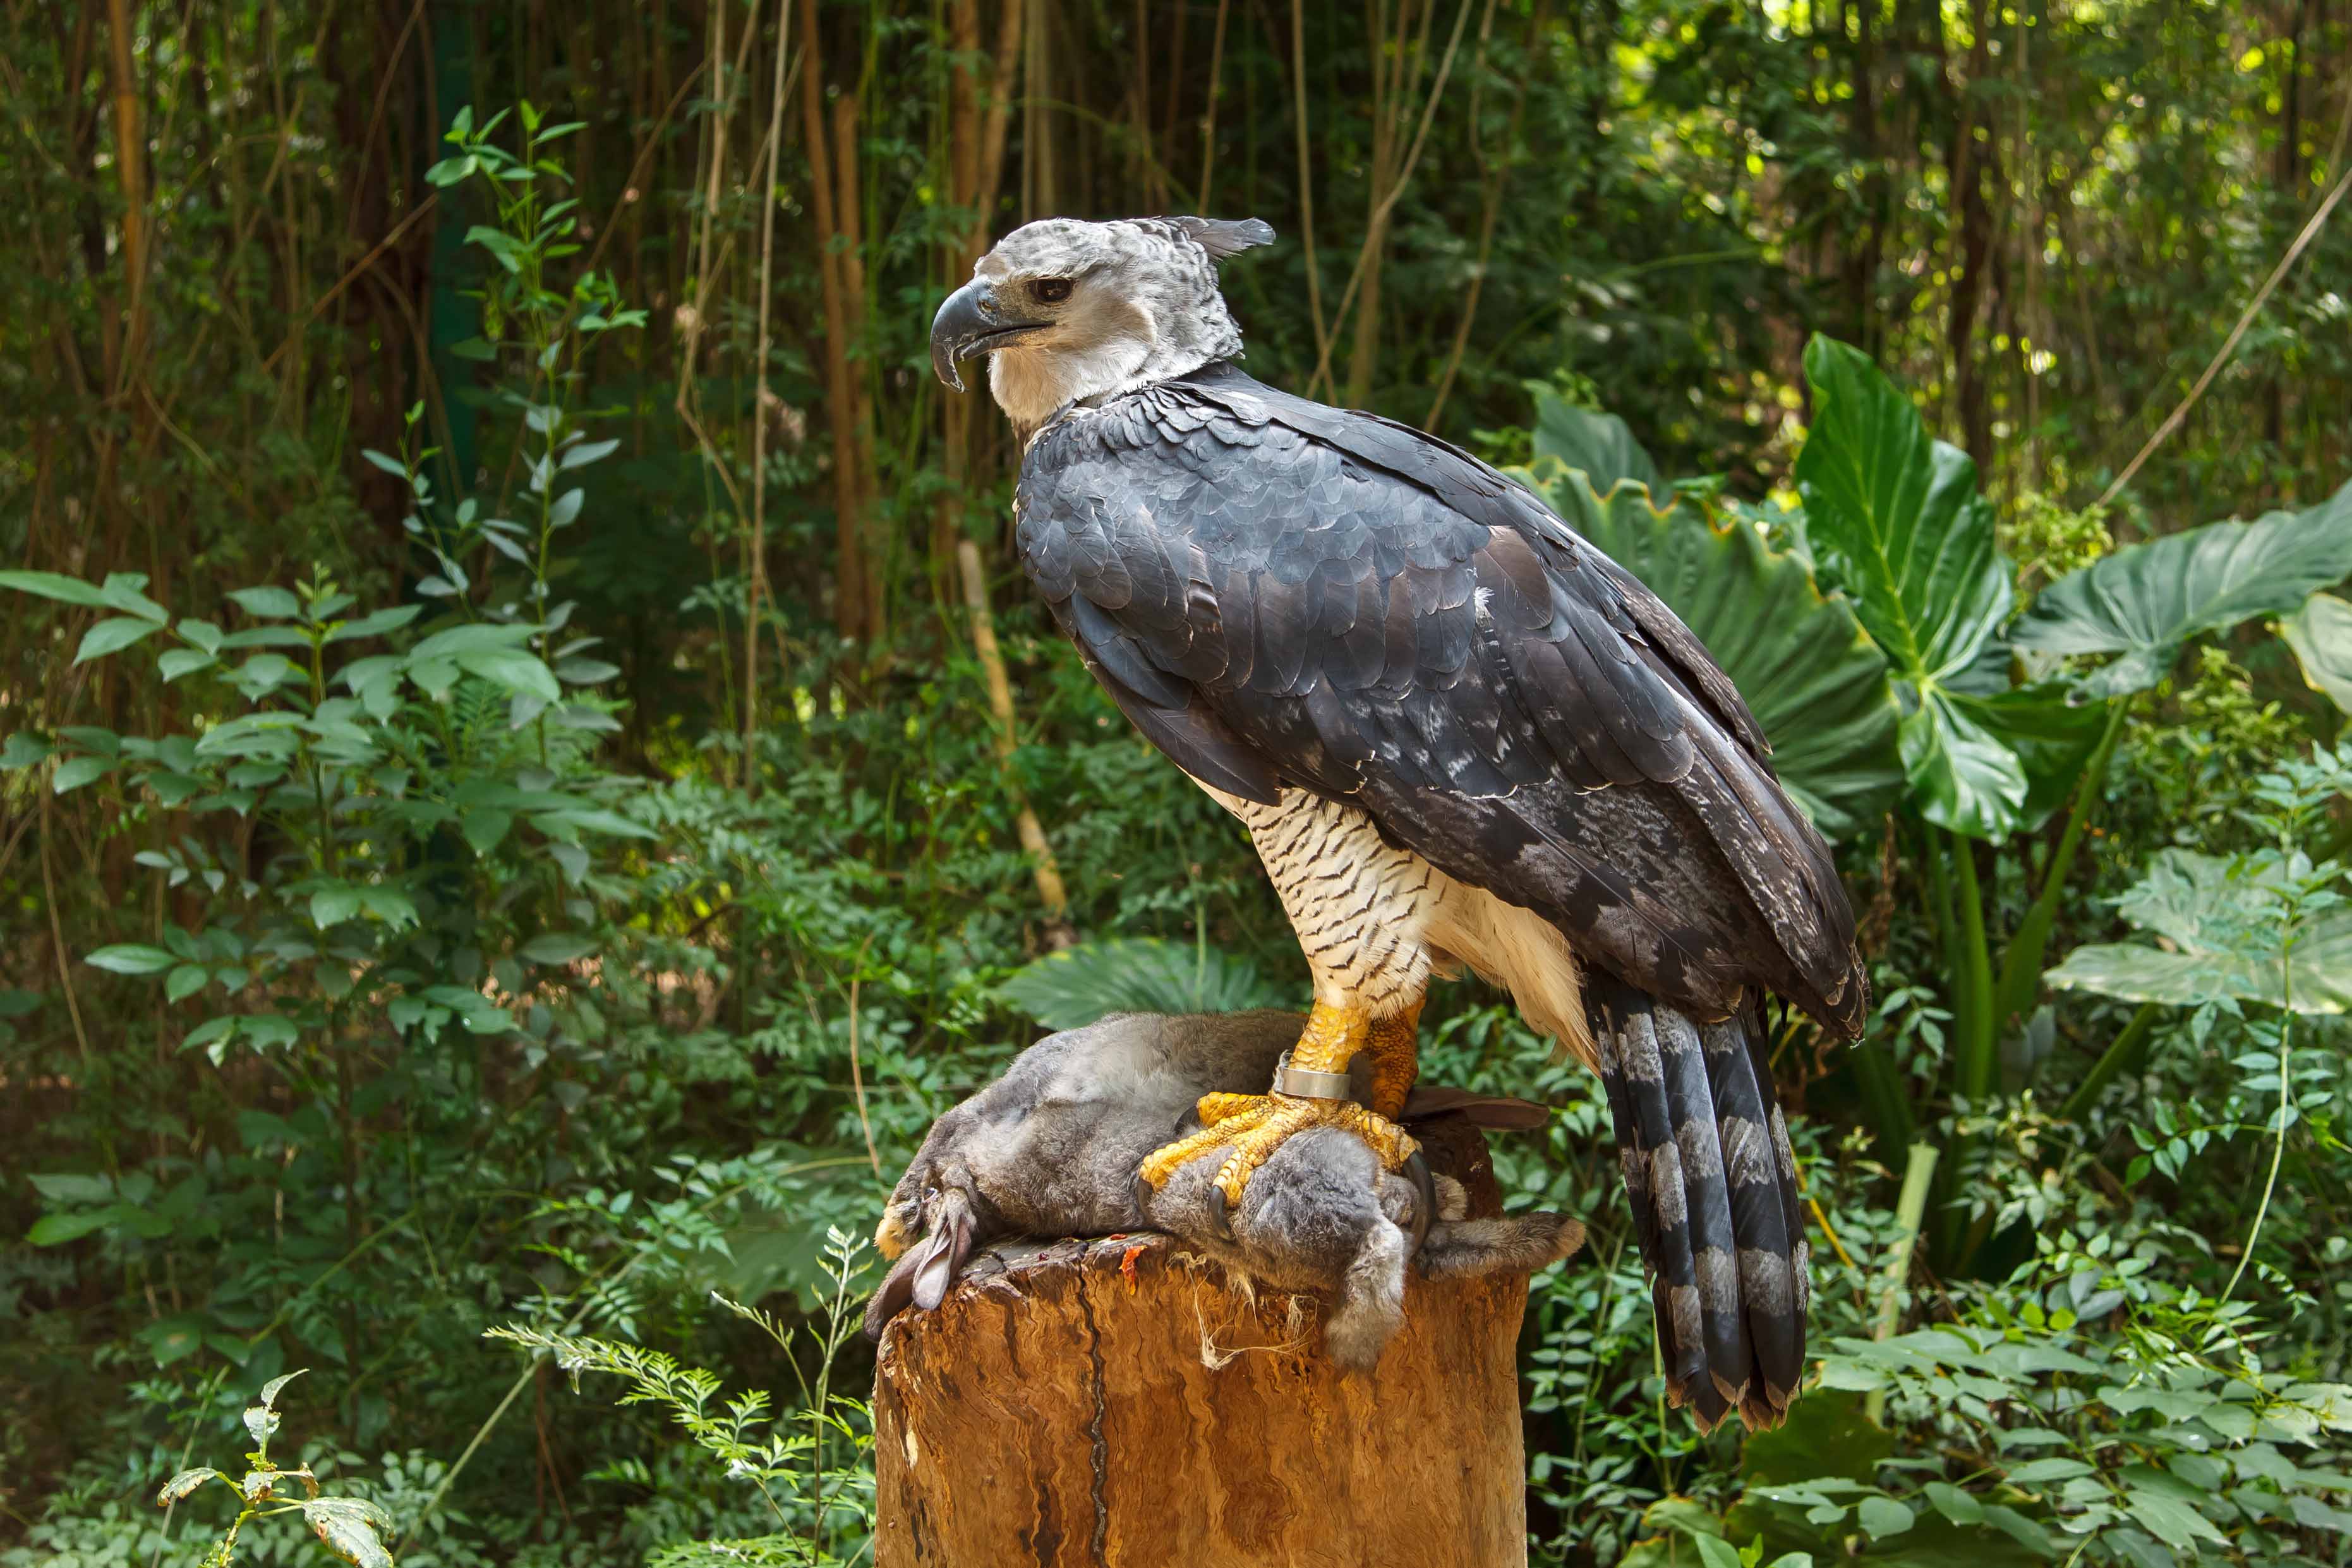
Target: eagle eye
1051	290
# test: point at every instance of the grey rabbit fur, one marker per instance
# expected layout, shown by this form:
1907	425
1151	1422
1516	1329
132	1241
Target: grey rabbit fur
1051	1150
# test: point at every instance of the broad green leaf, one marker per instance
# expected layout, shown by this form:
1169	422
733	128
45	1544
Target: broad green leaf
485	826
2145	601
57	1229
185	981
76	772
1953	1503
566	508
179	661
112	636
2321	636
514	669
23	750
332	905
50	585
376	624
184	1483
1599	446
1070	989
1883	1517
2170	1520
2037	1471
2209	913
262	1421
130	958
1964	778
122	590
352	1529
557	947
1814	681
2052	736
1894	519
476	638
269	604
1716	1551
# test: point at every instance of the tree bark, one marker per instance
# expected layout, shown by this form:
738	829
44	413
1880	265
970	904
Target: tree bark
1120	1401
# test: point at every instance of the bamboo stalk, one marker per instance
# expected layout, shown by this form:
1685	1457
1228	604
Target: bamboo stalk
1910	1214
756	547
1051	892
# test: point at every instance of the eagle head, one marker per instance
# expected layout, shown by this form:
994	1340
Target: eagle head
1067	310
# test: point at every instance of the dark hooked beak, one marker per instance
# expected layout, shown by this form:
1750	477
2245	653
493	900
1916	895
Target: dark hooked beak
970	322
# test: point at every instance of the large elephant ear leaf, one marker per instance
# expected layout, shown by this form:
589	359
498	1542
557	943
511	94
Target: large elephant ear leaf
1814	681
1895	521
2145	601
2321	636
1599	446
2219	923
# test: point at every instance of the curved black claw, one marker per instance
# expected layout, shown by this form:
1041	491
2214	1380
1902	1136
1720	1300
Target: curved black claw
1144	1193
1424	1186
1220	1220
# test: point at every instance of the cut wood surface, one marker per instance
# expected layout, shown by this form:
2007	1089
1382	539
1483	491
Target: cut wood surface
1120	1401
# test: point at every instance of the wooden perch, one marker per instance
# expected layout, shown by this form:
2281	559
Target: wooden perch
1120	1401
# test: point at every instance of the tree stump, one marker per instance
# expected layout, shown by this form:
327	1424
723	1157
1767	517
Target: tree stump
1119	1401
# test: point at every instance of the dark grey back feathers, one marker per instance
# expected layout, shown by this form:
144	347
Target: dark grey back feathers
1281	595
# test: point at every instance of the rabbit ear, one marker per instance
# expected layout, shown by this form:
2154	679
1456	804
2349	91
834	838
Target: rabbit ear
942	1254
1500	1111
896	1289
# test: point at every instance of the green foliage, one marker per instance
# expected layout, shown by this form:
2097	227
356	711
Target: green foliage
350	1528
1079	985
1598	445
715	1017
2143	602
823	1508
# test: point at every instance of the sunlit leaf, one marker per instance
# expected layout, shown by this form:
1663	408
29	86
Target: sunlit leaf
112	637
2321	636
2197	905
131	958
352	1529
2143	602
1893	517
184	1483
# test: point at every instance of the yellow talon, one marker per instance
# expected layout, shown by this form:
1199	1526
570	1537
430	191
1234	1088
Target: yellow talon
1256	1125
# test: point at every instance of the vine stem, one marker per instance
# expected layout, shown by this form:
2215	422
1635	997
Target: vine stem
2278	1138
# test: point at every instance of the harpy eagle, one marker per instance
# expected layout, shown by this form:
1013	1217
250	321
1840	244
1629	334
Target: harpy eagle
1458	735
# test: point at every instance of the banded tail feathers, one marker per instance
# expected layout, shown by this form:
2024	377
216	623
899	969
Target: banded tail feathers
1712	1182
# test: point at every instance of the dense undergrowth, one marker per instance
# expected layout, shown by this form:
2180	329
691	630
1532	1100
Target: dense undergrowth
391	961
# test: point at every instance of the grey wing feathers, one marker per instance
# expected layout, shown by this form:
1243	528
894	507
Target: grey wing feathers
1280	594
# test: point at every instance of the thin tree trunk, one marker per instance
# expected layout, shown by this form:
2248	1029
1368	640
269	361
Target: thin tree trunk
1051	892
850	566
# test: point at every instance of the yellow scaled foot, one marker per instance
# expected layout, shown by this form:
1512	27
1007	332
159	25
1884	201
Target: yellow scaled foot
1256	1125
